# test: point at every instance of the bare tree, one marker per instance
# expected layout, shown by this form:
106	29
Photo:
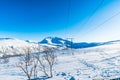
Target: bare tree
26	63
42	64
35	63
46	61
50	57
30	62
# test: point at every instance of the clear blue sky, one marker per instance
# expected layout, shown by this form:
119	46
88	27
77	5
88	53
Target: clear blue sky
36	19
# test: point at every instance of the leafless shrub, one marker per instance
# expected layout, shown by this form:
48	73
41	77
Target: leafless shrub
35	63
27	63
47	61
50	57
42	65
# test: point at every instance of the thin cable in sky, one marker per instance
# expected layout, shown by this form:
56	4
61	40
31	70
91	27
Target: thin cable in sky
94	11
100	25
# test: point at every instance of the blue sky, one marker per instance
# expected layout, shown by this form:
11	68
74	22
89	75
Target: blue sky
36	19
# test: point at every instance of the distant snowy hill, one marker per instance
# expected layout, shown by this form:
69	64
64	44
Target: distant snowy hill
55	41
10	46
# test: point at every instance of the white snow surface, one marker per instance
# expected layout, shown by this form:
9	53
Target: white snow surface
102	62
12	46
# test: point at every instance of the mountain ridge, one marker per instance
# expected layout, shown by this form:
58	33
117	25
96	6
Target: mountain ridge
56	41
63	42
11	45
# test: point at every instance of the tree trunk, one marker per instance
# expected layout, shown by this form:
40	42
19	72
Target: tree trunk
51	75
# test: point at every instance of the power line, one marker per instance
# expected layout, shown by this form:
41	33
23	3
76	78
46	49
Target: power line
69	11
100	25
94	11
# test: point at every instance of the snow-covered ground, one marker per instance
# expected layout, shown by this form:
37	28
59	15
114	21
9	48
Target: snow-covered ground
86	64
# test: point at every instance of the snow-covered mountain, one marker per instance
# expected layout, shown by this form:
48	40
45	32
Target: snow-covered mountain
10	46
56	41
99	63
